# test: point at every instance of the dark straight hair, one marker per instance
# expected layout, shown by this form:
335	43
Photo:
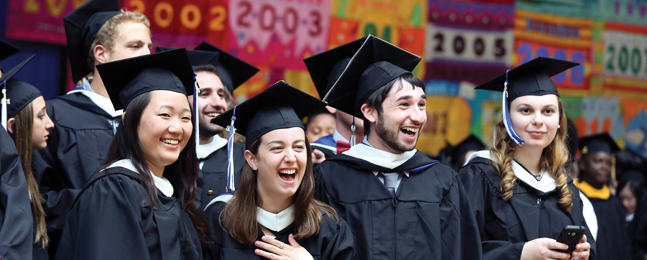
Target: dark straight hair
182	174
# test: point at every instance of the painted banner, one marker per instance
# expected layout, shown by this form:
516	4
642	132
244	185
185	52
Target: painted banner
39	20
448	120
399	22
547	35
468	41
278	33
625	11
625	59
635	118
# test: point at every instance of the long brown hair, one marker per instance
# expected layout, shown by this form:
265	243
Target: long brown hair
553	159
22	128
239	215
182	174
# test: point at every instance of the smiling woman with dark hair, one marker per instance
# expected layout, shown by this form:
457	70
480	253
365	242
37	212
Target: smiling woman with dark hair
141	204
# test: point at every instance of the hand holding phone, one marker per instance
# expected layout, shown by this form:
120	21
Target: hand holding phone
571	236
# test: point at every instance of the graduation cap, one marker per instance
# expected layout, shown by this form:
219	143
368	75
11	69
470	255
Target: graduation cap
454	156
278	107
628	160
326	67
530	78
128	78
598	143
81	28
375	64
233	71
197	58
16	94
7	50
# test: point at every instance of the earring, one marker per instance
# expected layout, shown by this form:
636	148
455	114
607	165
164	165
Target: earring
559	126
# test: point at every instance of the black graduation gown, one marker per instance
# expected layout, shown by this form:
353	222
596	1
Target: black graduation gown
334	241
638	230
212	179
16	221
505	226
38	252
429	218
113	219
77	147
612	240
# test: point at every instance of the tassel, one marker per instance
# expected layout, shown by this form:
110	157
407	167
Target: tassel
352	135
506	115
231	185
196	113
4	105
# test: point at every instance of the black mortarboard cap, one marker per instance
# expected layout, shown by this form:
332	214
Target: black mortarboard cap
376	63
233	71
277	107
627	160
196	58
598	143
530	78
7	50
128	78
19	93
81	28
326	67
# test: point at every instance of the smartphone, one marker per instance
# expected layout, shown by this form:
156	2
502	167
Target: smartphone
570	236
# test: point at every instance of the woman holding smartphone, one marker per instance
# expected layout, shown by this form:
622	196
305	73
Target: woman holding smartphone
519	189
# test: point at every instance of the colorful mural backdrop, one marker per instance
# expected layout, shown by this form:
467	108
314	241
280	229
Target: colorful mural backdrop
462	43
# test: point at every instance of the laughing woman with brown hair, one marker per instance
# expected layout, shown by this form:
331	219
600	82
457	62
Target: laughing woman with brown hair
274	214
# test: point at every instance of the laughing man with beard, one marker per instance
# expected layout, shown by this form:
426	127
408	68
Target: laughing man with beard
398	203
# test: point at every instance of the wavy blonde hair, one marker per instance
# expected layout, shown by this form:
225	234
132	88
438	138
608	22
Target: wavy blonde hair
554	159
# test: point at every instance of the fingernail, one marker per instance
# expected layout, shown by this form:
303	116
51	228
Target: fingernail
574	253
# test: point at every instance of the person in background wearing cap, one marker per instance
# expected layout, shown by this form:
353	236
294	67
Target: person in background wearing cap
141	203
325	68
520	190
85	120
28	125
596	164
17	222
399	203
273	214
455	156
217	79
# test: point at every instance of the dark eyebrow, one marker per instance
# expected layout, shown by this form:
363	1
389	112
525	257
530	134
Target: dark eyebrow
276	142
172	108
528	105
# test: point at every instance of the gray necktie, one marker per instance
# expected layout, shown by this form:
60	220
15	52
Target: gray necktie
391	181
